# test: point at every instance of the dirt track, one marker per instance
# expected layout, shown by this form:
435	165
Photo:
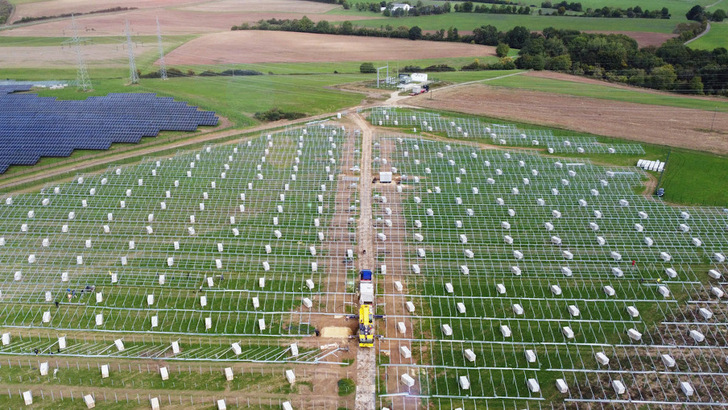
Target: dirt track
678	127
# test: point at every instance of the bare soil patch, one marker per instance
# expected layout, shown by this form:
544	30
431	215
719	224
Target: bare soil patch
173	21
58	7
286	6
284	47
336	332
678	127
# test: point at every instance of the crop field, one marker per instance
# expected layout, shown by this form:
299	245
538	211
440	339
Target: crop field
247	242
519	266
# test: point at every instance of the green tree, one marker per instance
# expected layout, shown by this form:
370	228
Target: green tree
347	27
559	63
502	50
415	33
696	13
719	15
367	68
517	36
696	85
663	77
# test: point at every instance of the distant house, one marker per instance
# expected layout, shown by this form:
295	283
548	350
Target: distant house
403	6
398	6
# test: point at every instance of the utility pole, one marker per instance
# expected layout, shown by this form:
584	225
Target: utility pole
83	82
162	66
133	76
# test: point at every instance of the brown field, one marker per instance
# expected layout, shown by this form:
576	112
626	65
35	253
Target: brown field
678	127
57	7
257	6
174	17
95	55
283	47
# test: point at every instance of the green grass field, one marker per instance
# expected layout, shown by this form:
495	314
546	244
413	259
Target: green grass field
469	21
609	93
716	37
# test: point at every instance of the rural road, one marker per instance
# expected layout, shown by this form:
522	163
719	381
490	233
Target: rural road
707	29
366	363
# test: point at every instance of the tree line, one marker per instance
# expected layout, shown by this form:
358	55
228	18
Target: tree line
616	57
469	7
613	57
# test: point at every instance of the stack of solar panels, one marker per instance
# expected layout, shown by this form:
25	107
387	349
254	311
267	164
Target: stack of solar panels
32	127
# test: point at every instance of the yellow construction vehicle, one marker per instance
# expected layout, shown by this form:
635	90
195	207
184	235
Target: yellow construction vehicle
366	326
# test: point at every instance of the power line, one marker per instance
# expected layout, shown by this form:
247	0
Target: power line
83	81
133	75
162	66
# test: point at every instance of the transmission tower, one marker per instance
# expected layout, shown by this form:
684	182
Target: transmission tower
162	66
133	76
83	81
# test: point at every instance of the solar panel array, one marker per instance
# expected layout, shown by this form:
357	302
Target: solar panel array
499	134
510	284
32	127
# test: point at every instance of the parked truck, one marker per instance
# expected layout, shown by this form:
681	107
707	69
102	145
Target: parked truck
366	309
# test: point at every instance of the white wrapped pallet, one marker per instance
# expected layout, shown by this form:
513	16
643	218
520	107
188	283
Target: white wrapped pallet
469	355
517	309
601	358
533	386
401	328
668	361
561	386
567	332
221	405
446	330
290	376
89	401
229	376
632	311
236	349
464	382
407	380
634	334
574	311
164	373
405	352
687	388
618	387
28	397
505	331
410	307
696	335
530	356
705	313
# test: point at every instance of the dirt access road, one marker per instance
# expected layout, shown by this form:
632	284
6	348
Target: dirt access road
366	361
